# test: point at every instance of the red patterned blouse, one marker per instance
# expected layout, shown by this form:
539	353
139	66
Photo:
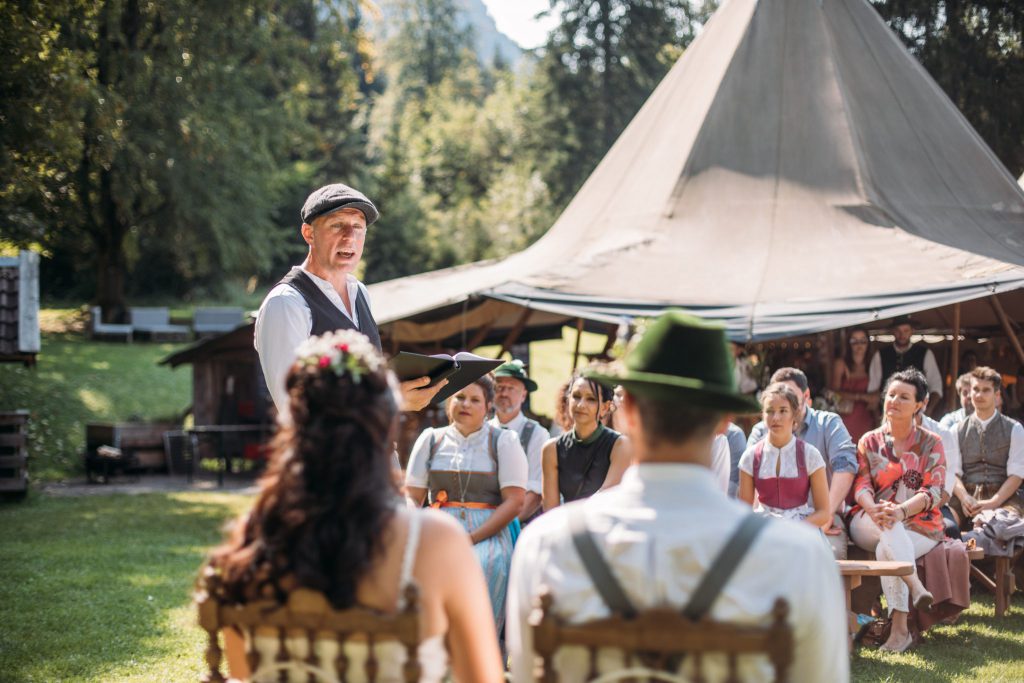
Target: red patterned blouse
921	468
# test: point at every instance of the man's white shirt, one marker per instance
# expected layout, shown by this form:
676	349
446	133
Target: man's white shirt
533	449
951	446
284	321
930	369
721	462
661	529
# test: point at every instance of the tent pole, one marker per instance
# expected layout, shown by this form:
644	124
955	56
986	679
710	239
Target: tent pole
952	395
480	335
576	351
514	333
613	335
1007	327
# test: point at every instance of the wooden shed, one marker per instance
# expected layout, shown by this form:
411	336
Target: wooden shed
19	308
227	383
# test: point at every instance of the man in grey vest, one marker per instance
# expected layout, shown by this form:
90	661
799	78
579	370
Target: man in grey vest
511	387
991	453
668	536
323	295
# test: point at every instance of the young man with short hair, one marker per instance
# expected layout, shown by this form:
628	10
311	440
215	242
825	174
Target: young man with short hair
660	530
991	454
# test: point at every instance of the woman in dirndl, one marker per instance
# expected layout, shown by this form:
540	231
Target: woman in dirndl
476	473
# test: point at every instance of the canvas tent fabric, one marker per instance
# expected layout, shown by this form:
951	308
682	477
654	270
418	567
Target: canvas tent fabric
796	171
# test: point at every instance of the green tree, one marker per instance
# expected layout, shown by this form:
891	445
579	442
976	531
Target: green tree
194	124
974	49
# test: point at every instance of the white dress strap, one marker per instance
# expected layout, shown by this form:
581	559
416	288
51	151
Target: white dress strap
409	556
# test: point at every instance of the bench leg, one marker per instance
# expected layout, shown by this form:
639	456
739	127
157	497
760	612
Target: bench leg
1004	584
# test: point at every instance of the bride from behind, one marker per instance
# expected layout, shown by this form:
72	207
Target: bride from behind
328	518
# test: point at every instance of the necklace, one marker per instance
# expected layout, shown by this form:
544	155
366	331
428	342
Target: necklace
463	487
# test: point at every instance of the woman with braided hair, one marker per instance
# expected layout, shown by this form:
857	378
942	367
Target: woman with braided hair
329	518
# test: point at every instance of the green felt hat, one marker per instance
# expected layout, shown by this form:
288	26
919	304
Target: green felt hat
516	369
680	358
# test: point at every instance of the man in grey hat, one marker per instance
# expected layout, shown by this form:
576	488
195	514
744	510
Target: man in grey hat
323	295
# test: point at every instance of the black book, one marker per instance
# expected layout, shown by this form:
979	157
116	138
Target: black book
460	370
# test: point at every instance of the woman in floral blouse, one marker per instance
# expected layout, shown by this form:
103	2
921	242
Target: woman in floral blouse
900	475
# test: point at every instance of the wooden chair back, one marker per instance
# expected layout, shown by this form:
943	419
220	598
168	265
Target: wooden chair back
655	641
304	639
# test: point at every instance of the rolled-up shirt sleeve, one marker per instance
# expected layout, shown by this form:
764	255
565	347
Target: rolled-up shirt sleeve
1015	461
839	447
513	469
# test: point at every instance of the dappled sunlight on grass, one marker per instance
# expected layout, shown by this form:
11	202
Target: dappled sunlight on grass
99	588
94	401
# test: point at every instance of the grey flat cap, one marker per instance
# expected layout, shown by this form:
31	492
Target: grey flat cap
331	198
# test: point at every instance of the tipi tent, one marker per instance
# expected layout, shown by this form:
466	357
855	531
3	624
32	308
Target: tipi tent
796	171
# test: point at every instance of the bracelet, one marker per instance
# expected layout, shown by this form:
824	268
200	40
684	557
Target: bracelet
904	511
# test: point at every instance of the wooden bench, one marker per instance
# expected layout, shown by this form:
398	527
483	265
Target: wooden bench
853	571
101	329
1003	583
156	322
210	321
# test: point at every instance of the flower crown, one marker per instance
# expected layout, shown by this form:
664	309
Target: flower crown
343	352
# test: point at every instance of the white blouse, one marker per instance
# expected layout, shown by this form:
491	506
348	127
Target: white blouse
453	451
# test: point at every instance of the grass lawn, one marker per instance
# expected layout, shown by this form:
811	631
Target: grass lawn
98	589
77	380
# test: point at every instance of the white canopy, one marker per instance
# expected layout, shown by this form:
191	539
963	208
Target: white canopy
796	171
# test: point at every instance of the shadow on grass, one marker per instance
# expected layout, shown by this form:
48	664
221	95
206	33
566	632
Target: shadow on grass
90	584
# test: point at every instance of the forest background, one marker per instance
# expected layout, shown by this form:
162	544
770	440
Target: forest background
163	149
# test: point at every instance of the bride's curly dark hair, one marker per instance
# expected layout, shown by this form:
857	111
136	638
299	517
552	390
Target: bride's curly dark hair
327	497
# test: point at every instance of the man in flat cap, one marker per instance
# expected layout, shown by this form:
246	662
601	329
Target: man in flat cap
322	295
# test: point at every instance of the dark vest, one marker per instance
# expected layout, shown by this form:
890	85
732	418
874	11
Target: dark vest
985	450
326	316
582	468
894	361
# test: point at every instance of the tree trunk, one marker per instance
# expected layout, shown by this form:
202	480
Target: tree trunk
111	264
607	91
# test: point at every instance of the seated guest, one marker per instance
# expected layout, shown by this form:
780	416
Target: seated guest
826	432
951	447
991	454
328	518
900	478
511	387
783	469
562	421
953	418
904	354
477	474
850	379
662	528
588	457
737	441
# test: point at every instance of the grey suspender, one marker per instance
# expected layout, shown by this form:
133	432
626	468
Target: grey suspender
707	591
